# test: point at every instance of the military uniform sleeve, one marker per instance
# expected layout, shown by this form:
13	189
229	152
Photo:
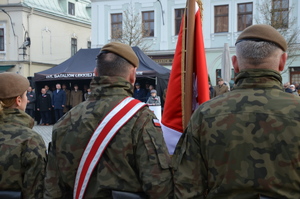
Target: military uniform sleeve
153	160
189	166
54	187
34	161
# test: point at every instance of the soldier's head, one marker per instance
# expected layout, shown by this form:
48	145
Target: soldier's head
260	46
117	59
64	86
13	89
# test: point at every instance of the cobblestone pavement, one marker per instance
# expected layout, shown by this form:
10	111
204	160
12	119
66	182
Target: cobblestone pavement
45	132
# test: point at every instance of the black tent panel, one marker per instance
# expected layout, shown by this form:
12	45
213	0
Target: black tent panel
82	64
79	66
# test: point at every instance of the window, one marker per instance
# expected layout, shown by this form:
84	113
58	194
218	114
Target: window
294	75
178	16
280	13
89	44
148	22
221	18
116	25
1	39
73	46
71	8
244	15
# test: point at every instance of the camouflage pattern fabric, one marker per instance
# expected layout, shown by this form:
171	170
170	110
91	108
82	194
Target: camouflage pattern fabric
22	155
243	143
136	159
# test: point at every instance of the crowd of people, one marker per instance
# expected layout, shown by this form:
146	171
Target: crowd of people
240	144
148	95
50	105
222	88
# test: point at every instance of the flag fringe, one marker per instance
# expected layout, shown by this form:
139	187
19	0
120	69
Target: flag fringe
200	5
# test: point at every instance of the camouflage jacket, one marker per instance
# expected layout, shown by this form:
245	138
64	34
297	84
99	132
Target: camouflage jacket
22	155
243	143
135	160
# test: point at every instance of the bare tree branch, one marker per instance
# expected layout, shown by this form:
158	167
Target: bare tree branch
281	19
132	32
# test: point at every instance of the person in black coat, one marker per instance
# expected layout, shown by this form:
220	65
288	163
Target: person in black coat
44	106
139	93
30	102
58	101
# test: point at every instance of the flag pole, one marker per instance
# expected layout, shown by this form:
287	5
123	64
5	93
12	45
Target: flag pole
189	62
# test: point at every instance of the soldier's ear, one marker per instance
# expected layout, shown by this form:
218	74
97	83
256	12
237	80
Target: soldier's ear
235	64
18	101
96	72
282	62
132	75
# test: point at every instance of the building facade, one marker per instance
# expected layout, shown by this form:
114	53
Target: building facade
223	20
38	34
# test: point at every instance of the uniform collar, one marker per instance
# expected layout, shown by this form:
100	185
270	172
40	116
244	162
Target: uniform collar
258	78
16	116
107	86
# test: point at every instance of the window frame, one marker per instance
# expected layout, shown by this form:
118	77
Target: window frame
71	8
2	37
118	24
280	11
147	23
242	16
73	46
177	20
217	16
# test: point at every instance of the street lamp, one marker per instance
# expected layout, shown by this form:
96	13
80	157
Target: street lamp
162	12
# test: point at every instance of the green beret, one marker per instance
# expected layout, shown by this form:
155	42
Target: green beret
262	32
122	50
12	85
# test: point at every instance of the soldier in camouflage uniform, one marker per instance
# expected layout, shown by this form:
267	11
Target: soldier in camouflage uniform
22	151
136	159
244	143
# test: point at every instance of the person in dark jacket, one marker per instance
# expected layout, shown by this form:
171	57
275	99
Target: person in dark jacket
30	102
58	102
139	93
44	106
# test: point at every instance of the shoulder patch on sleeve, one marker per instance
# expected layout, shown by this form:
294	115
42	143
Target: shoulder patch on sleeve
156	122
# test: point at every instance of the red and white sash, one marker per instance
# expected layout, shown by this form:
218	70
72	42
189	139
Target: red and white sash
106	130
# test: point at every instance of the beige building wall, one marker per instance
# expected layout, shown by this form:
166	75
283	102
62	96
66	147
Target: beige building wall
50	37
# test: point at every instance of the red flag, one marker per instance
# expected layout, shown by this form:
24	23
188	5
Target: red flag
188	84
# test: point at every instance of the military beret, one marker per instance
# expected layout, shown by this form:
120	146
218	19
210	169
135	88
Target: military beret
12	85
262	32
122	50
220	79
